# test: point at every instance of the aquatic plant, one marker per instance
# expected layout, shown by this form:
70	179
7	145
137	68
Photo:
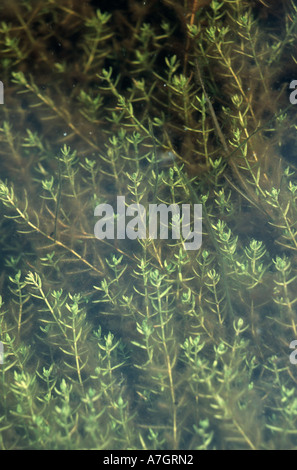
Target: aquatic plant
141	344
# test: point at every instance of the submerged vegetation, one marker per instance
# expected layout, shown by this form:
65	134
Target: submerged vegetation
140	344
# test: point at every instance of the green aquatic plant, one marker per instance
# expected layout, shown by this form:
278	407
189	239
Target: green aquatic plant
142	344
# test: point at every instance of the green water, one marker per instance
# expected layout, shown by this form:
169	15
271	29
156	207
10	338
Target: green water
123	343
